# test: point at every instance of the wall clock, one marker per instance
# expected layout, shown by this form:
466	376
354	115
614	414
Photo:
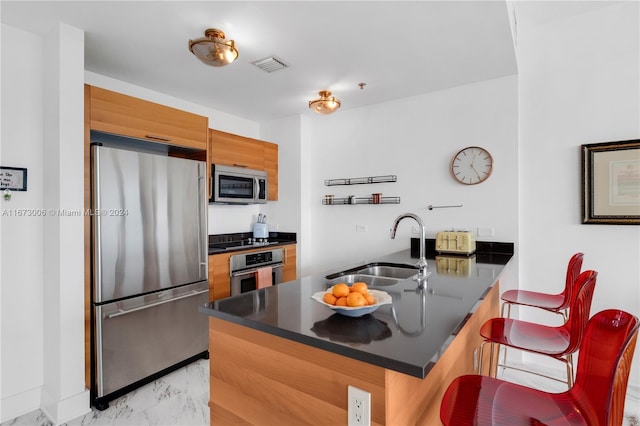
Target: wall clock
471	165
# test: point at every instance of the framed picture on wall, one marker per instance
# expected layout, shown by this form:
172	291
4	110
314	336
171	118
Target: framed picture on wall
13	178
611	183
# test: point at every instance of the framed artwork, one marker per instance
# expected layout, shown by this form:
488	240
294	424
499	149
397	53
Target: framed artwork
611	183
13	178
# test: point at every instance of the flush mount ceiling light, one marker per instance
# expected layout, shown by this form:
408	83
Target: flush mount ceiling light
326	104
213	49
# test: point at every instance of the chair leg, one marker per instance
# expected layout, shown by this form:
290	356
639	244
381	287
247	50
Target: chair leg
504	355
570	377
492	357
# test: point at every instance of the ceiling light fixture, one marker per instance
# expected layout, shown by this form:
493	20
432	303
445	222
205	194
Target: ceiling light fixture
326	104
213	49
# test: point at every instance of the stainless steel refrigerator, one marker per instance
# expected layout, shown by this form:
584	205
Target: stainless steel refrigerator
149	249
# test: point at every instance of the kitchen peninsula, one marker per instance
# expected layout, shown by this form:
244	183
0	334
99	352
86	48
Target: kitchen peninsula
280	357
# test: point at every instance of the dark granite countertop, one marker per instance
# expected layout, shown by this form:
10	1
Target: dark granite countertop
409	341
227	243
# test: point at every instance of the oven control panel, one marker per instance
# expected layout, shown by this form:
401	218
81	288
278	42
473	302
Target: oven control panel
257	259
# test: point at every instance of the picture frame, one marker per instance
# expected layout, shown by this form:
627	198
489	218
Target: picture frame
13	178
611	183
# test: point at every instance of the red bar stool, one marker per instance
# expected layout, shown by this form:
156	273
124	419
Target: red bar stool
596	398
556	303
557	342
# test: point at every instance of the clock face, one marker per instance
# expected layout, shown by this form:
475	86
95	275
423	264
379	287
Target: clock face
472	165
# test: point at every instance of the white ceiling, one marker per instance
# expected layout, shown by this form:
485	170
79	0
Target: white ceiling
398	48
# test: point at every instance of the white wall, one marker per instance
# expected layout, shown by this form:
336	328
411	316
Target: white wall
578	84
286	214
415	139
22	253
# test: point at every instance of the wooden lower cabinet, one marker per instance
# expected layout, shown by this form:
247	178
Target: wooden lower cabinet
219	271
289	272
261	379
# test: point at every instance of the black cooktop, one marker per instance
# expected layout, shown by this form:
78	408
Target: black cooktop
244	240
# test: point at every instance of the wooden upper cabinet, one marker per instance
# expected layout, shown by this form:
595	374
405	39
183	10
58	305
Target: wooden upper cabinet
271	167
114	112
234	150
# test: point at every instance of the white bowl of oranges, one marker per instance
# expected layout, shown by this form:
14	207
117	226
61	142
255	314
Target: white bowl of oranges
353	301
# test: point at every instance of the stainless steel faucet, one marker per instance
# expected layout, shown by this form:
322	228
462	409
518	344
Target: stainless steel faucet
422	262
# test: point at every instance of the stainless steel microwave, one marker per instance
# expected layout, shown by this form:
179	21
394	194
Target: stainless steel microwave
238	185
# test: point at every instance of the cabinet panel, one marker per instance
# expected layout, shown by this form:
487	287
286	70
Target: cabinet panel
234	150
219	281
271	167
125	115
289	268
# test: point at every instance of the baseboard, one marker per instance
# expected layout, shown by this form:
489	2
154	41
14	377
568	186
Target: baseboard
20	404
62	411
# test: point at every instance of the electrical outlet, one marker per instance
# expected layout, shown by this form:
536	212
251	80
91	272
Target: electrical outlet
485	232
359	407
415	230
361	228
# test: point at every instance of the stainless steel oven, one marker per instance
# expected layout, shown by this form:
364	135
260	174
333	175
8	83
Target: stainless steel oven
244	268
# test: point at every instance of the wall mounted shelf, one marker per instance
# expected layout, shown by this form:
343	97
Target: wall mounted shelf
361	180
359	200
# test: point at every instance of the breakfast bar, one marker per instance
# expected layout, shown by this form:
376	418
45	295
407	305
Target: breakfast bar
280	357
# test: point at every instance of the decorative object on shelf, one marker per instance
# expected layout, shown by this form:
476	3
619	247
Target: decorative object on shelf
213	49
361	180
611	183
376	196
328	199
359	200
13	178
471	165
325	104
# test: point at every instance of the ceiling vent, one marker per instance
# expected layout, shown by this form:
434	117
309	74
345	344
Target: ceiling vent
270	64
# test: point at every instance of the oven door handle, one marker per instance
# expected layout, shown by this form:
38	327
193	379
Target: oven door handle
252	271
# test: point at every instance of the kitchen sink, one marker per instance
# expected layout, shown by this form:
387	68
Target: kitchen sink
377	274
371	281
402	271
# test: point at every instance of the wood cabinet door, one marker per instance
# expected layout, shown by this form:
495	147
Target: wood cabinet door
114	112
271	167
289	272
219	280
234	150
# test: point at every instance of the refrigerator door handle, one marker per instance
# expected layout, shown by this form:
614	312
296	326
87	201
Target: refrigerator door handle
95	221
203	234
151	305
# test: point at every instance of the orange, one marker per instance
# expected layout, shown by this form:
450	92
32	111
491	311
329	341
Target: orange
329	298
360	287
356	299
342	301
340	290
370	299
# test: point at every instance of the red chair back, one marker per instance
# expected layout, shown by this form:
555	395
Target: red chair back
573	272
579	309
604	363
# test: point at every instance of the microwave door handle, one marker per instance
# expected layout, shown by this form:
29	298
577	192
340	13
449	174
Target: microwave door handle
256	188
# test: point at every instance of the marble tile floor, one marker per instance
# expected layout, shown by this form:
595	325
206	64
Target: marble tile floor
180	399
